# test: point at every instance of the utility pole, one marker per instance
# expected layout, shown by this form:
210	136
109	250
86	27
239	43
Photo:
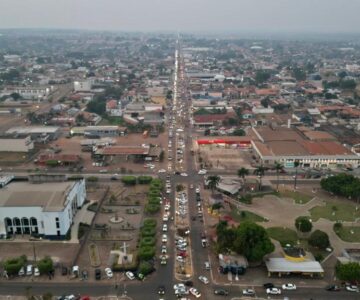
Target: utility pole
34	251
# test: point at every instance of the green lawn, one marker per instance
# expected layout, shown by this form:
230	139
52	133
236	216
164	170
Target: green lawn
349	234
112	121
335	212
243	215
299	198
283	235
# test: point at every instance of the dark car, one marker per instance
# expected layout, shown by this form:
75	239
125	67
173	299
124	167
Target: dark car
268	285
97	274
332	288
161	290
221	292
64	271
177	173
189	283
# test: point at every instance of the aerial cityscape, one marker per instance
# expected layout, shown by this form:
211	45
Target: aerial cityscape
174	158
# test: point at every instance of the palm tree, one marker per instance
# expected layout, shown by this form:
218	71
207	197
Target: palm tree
260	171
242	173
278	167
213	182
296	164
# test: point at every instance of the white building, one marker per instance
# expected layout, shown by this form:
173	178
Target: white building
44	209
82	86
16	144
29	92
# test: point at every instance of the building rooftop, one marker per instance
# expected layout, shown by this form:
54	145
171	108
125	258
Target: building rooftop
50	196
32	129
319	135
123	150
282	265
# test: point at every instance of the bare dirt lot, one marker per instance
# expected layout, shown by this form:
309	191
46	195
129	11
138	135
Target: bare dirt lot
72	146
224	158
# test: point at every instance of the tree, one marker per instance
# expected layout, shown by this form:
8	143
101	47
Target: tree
145	268
242	172
15	96
144	179
260	172
179	187
146	252
278	167
45	265
13	265
303	224
296	164
261	76
225	237
299	74
129	180
239	132
342	185
252	241
348	272
216	206
213	182
319	239
349	84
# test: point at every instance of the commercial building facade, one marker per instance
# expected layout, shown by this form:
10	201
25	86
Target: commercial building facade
44	209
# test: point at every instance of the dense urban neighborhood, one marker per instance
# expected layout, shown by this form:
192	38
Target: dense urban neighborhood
178	166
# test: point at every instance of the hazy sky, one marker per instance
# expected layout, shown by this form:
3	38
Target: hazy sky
184	15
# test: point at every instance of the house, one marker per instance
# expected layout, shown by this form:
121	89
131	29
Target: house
113	108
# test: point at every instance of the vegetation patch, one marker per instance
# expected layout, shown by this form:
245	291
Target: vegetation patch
335	212
349	234
298	197
243	215
283	235
13	265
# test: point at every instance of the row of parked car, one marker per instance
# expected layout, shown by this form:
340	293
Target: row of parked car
29	270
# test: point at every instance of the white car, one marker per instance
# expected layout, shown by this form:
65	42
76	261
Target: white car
352	288
248	292
130	275
203	279
273	291
289	286
197	190
195	292
202	172
162	171
36	272
164	238
109	273
179	286
184	174
165	218
21	271
180	259
165	228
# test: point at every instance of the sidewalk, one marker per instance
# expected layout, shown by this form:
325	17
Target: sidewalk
82	216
